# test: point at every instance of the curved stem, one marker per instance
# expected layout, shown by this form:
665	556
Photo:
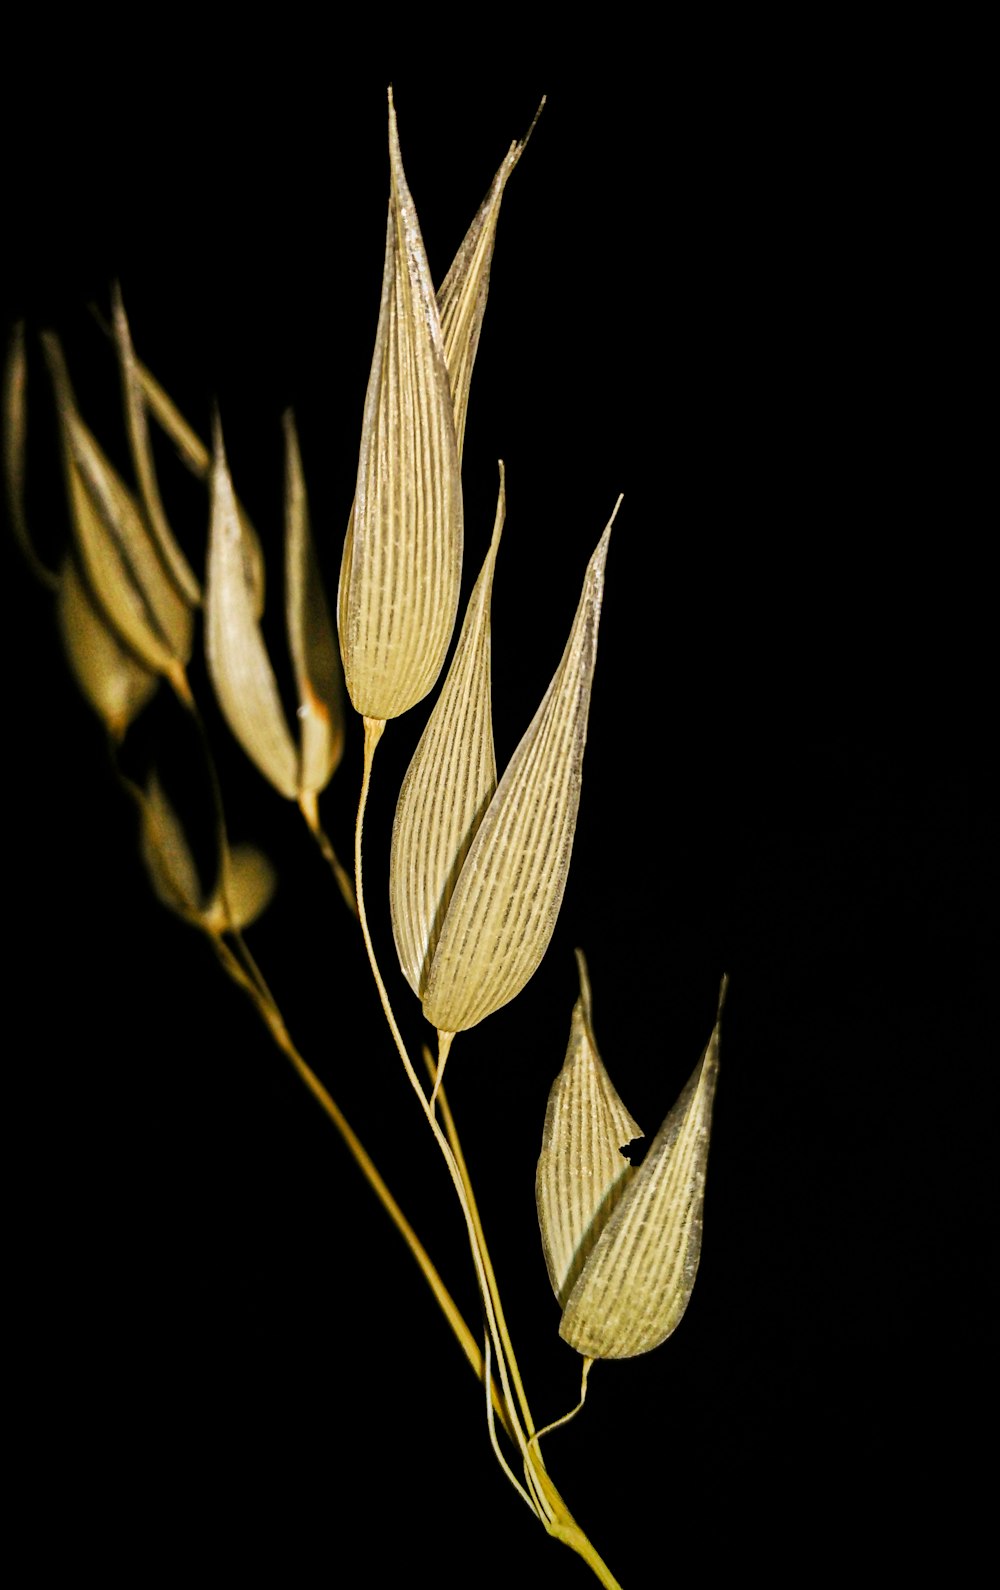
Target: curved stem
463	1170
309	808
270	1014
374	728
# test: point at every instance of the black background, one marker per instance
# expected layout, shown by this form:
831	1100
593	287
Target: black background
744	291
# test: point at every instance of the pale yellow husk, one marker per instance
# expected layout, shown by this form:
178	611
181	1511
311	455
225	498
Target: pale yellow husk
638	1279
114	683
118	556
462	295
311	637
238	663
506	901
402	562
582	1171
174	561
250	878
448	785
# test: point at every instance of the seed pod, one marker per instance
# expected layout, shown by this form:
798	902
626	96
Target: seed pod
402	563
448	785
462	295
114	683
238	663
117	554
507	898
249	876
240	668
312	640
582	1171
637	1280
173	558
15	444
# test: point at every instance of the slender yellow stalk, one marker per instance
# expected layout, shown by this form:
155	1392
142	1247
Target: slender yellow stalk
452	1134
245	972
548	1503
310	810
250	980
374	728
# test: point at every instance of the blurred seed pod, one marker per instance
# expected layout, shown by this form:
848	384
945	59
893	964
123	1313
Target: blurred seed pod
15	436
113	682
238	663
246	877
622	1245
174	561
116	551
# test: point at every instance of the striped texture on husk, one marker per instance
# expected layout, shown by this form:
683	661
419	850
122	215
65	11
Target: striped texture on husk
463	293
504	908
448	785
638	1279
582	1171
402	563
240	669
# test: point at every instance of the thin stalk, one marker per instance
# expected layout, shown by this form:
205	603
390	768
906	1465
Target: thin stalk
309	808
566	1417
463	1170
245	972
373	733
270	1014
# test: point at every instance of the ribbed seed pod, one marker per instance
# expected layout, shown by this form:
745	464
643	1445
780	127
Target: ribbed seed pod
402	564
462	295
448	785
582	1171
638	1278
507	898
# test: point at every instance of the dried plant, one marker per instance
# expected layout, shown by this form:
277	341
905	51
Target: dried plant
478	863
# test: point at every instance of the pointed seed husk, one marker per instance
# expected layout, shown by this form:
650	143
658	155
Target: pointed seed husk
582	1171
504	907
462	295
402	563
638	1279
117	555
113	682
174	561
166	853
238	663
448	785
311	638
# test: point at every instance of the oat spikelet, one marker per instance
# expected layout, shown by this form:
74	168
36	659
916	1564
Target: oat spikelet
507	898
402	563
448	785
